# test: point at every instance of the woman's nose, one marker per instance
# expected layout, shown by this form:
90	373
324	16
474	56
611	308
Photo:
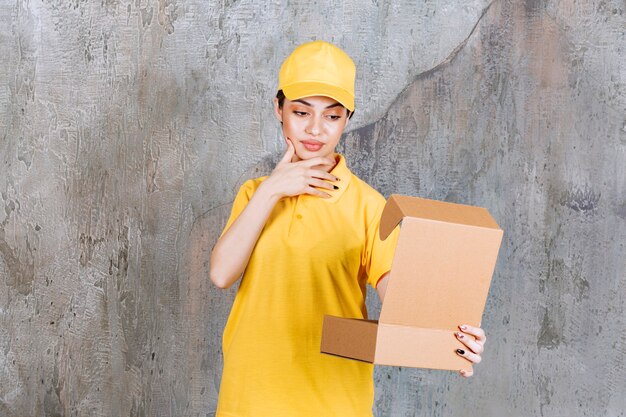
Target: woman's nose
314	126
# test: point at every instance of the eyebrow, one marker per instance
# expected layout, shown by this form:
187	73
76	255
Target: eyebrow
309	104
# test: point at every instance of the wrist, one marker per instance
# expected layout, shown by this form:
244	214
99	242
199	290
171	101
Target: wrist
266	193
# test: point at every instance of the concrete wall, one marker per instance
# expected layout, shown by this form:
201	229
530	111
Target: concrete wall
127	127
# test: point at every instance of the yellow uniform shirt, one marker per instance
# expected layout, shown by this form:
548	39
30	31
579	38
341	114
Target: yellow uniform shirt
314	257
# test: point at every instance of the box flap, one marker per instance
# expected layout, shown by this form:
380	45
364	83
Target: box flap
350	338
443	264
419	348
399	206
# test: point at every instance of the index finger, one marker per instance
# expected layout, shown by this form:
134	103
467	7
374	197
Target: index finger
477	332
288	153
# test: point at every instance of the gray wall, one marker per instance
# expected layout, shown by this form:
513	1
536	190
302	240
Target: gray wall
127	127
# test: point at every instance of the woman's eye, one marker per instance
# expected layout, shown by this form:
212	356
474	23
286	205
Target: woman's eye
299	113
334	117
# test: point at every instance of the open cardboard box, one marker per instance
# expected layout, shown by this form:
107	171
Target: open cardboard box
439	279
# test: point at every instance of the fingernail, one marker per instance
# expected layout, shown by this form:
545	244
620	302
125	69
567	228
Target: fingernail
459	335
463	327
460	351
336	188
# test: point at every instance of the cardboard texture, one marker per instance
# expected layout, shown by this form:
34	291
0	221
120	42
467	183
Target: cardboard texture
439	279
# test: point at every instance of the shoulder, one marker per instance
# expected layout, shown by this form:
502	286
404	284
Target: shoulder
371	200
369	194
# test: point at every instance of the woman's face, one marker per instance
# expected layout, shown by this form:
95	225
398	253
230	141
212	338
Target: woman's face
313	124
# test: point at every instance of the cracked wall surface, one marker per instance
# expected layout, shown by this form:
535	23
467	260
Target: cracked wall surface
127	127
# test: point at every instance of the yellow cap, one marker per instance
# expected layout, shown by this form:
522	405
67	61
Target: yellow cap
318	69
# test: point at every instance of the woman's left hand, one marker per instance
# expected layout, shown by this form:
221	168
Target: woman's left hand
474	340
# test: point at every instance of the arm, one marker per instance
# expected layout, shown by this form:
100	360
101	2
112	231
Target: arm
381	288
232	252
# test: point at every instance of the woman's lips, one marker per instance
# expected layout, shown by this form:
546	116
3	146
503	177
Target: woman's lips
312	145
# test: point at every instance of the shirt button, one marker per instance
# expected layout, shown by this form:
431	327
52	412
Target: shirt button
298	216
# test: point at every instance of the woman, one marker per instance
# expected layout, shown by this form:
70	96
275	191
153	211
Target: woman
305	242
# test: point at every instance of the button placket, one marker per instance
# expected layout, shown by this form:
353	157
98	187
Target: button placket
296	216
294	211
299	203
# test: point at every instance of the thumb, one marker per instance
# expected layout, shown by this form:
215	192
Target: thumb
288	154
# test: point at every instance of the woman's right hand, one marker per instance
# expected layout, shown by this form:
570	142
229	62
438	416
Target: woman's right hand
294	178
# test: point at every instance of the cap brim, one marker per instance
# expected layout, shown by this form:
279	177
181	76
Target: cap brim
310	88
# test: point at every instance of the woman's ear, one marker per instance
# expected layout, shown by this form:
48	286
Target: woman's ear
278	112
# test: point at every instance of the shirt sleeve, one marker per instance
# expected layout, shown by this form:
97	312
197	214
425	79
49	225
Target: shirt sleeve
241	201
379	253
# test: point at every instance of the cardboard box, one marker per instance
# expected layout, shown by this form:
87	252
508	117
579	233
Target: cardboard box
439	279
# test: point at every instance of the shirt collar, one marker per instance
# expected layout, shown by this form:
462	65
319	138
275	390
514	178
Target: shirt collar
341	171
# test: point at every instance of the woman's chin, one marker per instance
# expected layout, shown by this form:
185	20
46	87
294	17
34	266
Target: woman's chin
308	155
303	154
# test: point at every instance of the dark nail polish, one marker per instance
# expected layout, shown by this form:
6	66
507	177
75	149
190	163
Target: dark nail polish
460	351
336	188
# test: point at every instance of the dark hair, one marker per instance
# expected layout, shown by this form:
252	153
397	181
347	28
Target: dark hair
281	99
